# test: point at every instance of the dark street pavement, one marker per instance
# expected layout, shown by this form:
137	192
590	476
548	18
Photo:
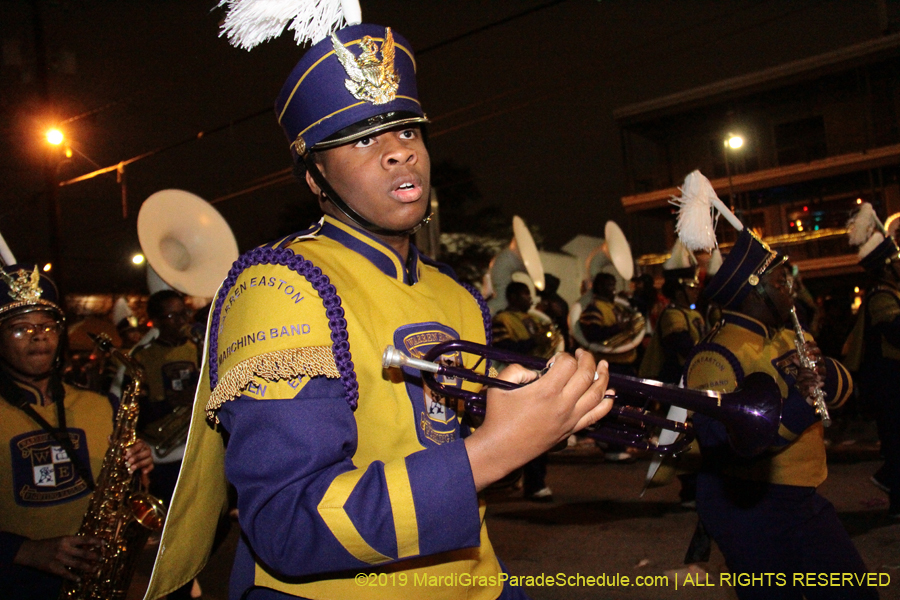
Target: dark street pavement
599	525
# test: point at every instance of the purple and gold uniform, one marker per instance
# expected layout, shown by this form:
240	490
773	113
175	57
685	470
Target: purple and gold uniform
677	331
601	320
43	495
340	466
764	511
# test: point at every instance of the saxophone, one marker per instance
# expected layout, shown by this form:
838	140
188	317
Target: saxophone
120	513
807	361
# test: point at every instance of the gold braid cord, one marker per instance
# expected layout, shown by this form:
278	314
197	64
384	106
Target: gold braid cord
273	366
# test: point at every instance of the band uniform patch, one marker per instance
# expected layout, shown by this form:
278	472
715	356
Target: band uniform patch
180	381
43	474
437	416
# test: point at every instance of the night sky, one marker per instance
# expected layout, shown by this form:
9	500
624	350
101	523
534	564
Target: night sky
520	92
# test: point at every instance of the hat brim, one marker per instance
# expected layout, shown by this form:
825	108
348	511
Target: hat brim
368	127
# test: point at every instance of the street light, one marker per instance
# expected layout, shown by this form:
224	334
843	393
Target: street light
55	137
732	142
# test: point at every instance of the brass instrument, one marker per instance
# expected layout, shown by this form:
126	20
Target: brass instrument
752	414
521	261
548	339
120	513
635	328
169	432
808	362
614	257
189	247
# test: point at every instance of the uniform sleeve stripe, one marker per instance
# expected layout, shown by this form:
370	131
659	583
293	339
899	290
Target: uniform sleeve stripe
403	508
331	509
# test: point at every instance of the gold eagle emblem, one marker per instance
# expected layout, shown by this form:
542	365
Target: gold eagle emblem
370	79
25	286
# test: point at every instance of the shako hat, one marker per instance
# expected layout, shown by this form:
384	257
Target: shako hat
24	288
876	243
359	81
749	259
354	81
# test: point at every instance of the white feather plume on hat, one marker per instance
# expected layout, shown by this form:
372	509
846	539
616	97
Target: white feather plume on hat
251	22
715	262
698	208
865	230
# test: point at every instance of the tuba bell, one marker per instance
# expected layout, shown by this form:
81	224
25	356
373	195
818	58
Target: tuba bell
519	262
187	242
189	247
613	256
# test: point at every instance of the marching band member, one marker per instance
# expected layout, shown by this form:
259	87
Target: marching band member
603	319
346	471
55	437
763	511
516	330
170	362
874	344
679	326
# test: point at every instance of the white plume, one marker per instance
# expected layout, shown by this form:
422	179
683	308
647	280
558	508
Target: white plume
862	225
696	225
715	262
873	242
251	22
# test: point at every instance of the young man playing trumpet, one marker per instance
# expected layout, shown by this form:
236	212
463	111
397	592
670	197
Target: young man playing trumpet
346	471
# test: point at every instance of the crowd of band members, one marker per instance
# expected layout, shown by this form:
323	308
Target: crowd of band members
677	324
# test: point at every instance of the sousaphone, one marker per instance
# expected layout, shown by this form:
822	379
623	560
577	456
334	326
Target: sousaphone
519	262
613	256
188	244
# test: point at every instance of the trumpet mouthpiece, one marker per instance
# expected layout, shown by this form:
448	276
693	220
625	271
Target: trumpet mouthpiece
391	358
394	358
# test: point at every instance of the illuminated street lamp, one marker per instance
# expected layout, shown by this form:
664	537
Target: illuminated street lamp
732	142
54	136
138	259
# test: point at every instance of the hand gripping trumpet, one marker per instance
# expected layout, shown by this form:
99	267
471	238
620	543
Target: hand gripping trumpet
751	414
808	362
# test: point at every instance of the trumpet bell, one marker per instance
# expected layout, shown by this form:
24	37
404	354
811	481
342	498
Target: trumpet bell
188	244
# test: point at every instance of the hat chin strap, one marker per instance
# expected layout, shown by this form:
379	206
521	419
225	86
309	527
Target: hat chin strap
329	194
